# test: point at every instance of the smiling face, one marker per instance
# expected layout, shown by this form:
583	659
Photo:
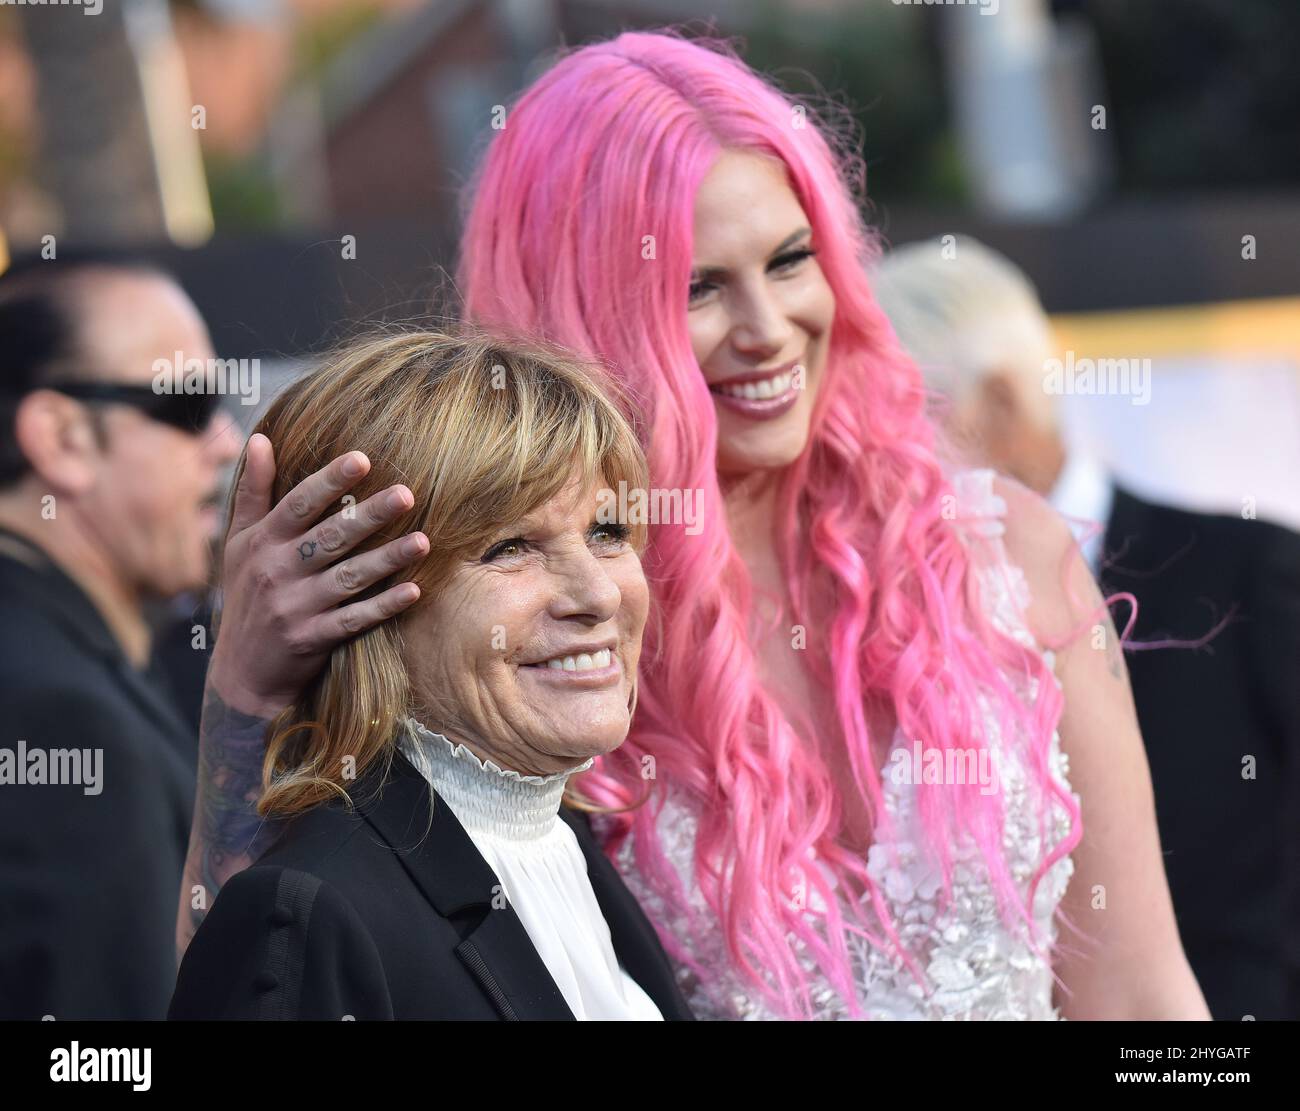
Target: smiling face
529	652
760	312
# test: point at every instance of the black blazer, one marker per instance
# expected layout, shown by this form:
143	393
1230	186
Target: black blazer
88	883
363	914
1231	844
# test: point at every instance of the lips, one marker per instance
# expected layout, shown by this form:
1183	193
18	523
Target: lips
576	670
766	398
759	394
581	661
761	389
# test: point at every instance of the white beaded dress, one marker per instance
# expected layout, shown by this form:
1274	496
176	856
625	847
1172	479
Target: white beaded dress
975	966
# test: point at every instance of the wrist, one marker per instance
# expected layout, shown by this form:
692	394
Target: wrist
239	696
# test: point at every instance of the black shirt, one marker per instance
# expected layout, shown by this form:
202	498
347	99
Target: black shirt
89	880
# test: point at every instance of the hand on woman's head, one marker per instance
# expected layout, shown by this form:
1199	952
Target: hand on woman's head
290	581
529	653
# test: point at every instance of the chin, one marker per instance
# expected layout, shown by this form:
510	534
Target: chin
742	459
606	739
197	579
761	447
597	736
173	583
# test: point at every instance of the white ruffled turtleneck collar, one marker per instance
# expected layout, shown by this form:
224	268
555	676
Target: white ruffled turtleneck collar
487	799
514	822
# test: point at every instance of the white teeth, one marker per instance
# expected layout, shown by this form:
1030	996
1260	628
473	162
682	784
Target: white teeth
763	390
582	662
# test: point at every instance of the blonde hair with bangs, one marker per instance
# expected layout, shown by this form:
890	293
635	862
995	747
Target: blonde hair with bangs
483	431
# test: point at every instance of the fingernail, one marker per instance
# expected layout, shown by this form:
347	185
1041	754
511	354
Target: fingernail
397	500
352	466
414	545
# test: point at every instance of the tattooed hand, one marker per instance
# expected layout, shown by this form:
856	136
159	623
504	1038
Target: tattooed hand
284	580
285	587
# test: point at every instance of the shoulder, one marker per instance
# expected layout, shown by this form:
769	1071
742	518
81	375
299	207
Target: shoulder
266	897
1234	536
1039	541
272	931
1033	527
40	615
318	839
996	509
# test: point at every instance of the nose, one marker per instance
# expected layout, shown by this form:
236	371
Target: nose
584	590
760	327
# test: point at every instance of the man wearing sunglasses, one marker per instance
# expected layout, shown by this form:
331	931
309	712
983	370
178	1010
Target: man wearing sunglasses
108	503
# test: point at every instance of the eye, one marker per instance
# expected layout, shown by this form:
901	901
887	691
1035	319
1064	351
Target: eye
610	534
791	259
698	289
515	546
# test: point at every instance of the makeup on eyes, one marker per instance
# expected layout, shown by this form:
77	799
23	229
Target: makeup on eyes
785	254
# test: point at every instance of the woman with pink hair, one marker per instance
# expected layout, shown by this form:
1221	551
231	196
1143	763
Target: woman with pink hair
865	705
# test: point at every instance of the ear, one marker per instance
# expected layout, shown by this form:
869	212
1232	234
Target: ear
55	434
1000	394
1002	409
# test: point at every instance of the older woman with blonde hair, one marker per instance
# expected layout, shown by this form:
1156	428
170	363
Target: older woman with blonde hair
425	867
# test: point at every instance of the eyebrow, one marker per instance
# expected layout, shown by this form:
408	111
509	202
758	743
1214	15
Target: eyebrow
790	240
532	522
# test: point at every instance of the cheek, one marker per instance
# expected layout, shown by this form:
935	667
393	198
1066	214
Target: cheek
160	478
137	501
814	308
707	328
635	609
452	655
502	616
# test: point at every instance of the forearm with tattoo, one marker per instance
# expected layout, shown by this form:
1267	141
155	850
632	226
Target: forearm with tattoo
227	833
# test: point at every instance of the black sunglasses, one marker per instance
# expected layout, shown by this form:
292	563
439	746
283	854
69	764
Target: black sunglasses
190	412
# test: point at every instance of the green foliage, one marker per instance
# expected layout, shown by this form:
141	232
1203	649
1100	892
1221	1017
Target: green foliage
880	62
243	196
323	38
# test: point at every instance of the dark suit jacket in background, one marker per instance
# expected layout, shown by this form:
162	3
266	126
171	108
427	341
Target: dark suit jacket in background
177	662
387	913
88	883
1230	843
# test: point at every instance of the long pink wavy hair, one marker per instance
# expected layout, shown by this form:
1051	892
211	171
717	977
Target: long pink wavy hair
607	148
